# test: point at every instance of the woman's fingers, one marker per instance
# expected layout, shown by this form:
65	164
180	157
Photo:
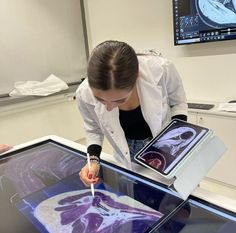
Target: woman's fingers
89	176
4	148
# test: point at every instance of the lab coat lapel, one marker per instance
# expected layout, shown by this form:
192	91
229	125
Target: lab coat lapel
110	122
109	119
150	97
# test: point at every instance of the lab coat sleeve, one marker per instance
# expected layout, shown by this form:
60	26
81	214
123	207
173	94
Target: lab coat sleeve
93	131
175	90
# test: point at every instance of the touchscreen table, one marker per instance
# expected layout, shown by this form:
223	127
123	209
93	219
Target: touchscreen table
197	216
41	192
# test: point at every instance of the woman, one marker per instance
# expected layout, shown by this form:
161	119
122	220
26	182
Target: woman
128	99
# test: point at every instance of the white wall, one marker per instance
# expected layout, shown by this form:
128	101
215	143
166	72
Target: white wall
207	70
38	38
56	115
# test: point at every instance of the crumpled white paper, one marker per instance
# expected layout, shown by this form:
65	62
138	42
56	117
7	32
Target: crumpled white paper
50	85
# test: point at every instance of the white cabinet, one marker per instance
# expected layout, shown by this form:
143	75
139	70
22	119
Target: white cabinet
192	117
225	128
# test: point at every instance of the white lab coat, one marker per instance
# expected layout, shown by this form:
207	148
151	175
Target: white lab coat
161	96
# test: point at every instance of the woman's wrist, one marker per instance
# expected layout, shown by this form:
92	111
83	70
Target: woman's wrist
94	159
94	150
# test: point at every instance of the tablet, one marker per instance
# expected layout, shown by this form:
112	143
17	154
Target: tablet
171	147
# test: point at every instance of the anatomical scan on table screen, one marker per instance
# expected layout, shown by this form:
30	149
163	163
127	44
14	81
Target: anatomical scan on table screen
217	13
78	211
171	146
69	206
42	191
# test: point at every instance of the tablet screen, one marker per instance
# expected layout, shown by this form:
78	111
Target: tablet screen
171	146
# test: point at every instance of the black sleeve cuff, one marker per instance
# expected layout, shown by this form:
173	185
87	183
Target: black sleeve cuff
180	117
94	150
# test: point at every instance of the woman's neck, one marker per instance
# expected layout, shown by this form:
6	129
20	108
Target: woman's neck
132	102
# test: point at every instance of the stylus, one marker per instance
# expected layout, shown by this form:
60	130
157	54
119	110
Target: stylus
89	167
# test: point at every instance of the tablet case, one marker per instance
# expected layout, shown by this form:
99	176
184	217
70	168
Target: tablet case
189	175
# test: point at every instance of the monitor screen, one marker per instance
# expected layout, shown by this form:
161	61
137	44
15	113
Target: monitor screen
197	21
41	191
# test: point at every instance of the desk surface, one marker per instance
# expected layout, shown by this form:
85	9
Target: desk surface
213	111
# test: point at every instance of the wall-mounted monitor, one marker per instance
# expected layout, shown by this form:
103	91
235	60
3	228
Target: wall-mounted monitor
197	21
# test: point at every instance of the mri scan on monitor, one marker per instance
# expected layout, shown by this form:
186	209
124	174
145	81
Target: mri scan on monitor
198	21
217	13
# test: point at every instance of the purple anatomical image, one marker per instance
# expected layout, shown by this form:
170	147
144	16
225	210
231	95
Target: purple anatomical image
79	212
171	146
38	169
155	159
42	192
174	140
168	147
217	12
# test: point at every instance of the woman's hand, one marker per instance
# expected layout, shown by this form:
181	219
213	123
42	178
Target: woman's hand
4	148
90	176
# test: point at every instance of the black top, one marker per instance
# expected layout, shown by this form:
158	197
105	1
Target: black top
134	125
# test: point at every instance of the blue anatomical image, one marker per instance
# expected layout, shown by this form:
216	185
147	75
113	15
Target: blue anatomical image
218	13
